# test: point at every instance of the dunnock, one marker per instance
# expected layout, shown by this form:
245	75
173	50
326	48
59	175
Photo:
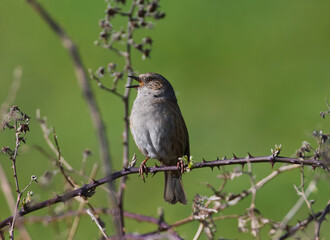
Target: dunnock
159	130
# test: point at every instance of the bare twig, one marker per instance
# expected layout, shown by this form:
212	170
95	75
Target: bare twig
326	112
46	132
3	110
319	216
97	222
17	79
154	235
10	201
302	192
19	194
319	222
76	220
311	187
100	85
138	217
59	164
254	221
21	125
199	231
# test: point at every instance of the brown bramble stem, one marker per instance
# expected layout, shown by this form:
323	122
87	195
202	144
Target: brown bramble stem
319	222
88	190
125	99
19	194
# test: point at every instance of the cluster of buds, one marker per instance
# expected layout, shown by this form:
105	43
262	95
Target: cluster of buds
276	151
7	150
16	115
305	148
140	15
323	149
15	119
111	70
322	138
146	9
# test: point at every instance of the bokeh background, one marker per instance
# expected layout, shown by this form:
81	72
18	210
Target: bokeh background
248	75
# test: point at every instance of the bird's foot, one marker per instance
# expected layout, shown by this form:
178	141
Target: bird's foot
180	166
143	169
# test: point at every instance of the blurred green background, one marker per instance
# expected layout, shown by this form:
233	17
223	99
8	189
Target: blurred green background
248	75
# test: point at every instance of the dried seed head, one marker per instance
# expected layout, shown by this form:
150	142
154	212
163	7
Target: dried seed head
111	11
100	71
104	35
152	6
111	66
159	15
141	13
147	40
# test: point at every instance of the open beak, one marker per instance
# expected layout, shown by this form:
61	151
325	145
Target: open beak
135	78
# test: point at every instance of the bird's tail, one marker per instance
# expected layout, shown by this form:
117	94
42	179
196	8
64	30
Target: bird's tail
173	191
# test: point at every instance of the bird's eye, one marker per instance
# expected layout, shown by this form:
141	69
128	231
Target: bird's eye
148	79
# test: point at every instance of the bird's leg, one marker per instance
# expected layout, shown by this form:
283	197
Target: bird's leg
180	166
143	168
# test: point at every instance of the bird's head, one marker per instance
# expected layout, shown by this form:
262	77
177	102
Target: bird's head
153	84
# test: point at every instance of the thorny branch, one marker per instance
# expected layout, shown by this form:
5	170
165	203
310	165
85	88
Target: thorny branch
89	189
136	19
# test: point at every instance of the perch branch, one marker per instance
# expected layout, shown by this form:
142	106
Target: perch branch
88	190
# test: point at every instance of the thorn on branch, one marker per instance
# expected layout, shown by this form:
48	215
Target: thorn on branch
243	164
272	162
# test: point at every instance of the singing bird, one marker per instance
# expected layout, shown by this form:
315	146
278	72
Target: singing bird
159	130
